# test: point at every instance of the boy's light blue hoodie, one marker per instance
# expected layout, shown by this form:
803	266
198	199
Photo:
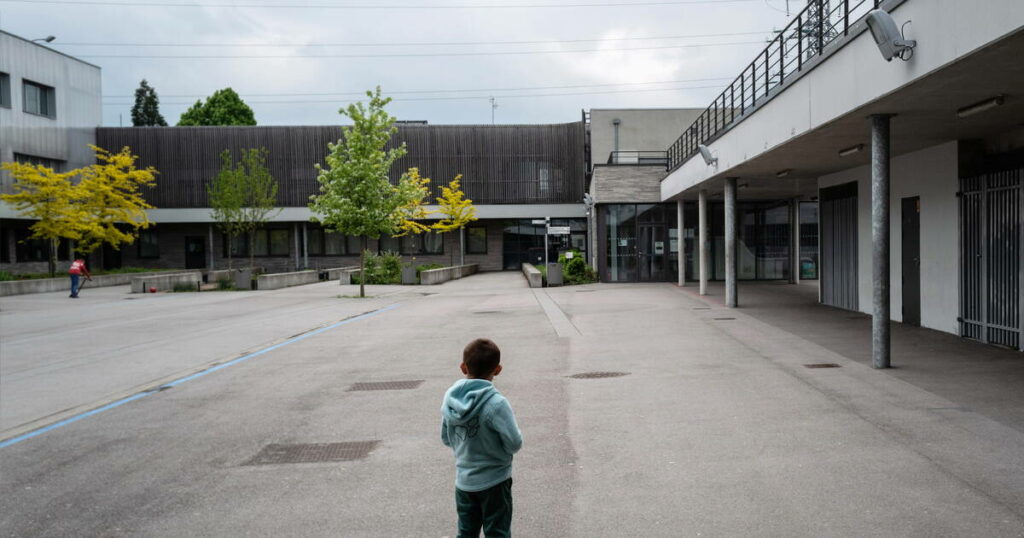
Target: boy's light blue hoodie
477	422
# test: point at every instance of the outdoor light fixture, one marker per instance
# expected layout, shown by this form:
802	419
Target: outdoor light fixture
889	37
982	106
705	152
783	173
851	150
48	39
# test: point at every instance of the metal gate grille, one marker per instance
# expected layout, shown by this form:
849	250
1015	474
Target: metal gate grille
991	247
838	222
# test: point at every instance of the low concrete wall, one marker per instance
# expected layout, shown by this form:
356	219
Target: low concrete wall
44	285
286	280
533	276
444	274
337	272
345	275
163	281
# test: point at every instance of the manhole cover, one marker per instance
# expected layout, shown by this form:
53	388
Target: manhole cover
725	319
822	365
486	312
313	453
386	385
598	375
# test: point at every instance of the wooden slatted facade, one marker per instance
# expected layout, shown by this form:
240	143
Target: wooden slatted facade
500	164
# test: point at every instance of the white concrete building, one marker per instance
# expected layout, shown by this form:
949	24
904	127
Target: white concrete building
934	236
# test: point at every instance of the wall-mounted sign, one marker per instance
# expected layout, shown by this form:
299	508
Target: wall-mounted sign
558	230
539	221
659	247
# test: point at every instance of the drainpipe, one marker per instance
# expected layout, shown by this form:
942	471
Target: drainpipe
615	124
730	242
702	239
880	145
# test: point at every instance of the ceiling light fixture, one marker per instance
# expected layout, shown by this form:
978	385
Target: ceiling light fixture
851	150
783	173
981	106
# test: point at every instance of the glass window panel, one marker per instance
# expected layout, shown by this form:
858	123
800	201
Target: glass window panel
389	244
433	243
476	240
5	90
809	240
260	248
315	241
334	244
279	243
621	245
31	98
149	246
410	244
353	244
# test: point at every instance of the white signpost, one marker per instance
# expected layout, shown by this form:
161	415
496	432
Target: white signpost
558	230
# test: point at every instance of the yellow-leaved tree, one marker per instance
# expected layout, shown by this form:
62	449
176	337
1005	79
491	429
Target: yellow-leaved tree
51	199
111	200
458	211
94	205
414	189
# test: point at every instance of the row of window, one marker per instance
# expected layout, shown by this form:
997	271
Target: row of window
37	98
29	250
275	242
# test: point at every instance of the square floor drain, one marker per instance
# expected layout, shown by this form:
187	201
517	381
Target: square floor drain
702	308
598	375
276	454
725	319
823	365
386	385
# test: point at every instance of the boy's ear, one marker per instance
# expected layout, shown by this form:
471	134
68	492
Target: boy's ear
497	370
465	371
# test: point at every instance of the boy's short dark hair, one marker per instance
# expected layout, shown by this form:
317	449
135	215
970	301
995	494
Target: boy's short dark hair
481	357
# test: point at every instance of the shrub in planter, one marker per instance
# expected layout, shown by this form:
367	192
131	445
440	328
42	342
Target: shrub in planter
383	268
575	269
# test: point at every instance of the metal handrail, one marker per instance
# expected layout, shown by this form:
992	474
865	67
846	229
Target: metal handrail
638	157
815	27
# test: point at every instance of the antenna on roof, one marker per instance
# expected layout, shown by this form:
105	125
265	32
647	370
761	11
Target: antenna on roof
494	106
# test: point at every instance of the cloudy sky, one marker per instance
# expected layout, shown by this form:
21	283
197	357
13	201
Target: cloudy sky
297	62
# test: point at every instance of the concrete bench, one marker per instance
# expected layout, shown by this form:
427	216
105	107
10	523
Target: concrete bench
444	274
337	272
345	275
164	281
533	276
63	283
275	281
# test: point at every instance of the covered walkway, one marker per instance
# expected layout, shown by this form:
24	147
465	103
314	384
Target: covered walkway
981	378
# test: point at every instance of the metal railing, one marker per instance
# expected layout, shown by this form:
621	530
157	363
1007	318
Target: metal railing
638	157
815	27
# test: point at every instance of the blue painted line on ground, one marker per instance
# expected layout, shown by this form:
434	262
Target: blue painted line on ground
176	382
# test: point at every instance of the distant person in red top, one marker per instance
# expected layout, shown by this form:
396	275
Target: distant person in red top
76	271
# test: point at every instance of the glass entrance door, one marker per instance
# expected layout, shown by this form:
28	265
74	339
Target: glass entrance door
652	252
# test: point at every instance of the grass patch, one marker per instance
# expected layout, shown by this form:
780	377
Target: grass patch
354	297
181	287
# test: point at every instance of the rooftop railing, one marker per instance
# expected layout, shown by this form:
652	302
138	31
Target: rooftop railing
638	157
818	25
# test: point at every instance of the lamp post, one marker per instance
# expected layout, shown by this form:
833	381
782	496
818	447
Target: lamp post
48	39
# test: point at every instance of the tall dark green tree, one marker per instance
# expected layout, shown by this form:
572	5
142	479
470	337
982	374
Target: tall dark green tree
146	111
224	107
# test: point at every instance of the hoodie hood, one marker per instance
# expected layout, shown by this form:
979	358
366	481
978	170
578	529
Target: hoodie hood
465	399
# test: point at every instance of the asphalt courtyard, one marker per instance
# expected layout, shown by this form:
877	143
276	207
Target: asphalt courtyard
151	415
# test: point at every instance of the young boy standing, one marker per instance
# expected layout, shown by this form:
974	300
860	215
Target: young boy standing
478	424
76	272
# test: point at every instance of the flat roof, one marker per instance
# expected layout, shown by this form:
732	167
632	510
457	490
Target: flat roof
55	51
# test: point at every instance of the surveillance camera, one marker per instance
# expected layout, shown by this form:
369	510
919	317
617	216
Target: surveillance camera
706	154
888	36
588	200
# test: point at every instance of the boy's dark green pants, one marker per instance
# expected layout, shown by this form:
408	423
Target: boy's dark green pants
490	509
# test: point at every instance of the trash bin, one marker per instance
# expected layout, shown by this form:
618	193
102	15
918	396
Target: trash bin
554	274
409	275
243	279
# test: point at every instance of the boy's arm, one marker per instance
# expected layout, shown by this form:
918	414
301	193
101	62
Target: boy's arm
444	433
504	422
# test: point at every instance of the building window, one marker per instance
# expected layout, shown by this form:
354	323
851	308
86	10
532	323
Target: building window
278	242
476	240
5	90
414	244
28	249
239	245
52	164
433	243
315	242
5	249
149	245
320	242
39	99
272	242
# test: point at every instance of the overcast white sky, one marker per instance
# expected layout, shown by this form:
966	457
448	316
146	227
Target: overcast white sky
274	85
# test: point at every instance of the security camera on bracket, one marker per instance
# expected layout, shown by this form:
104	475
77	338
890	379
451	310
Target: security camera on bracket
705	152
889	37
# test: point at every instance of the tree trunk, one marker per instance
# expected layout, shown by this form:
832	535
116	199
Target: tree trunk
362	269
53	258
451	257
462	246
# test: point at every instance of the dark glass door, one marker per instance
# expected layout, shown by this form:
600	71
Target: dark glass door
652	252
195	252
911	258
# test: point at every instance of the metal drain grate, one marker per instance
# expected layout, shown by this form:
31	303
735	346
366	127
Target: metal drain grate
487	312
702	308
313	453
598	375
386	385
823	365
725	319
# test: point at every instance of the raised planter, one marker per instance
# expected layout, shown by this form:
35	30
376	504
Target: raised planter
240	278
164	281
554	274
337	272
275	281
533	276
409	275
63	283
444	274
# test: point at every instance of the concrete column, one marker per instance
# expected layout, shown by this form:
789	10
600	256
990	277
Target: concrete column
295	234
794	241
680	243
880	143
730	242
702	240
209	256
305	247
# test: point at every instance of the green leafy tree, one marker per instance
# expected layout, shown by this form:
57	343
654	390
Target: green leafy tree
243	197
146	111
224	107
356	197
458	211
